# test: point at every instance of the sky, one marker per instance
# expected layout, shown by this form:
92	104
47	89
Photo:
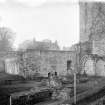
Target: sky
42	19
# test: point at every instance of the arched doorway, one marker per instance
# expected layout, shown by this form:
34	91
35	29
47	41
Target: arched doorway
87	65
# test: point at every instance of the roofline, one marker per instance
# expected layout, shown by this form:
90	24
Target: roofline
48	50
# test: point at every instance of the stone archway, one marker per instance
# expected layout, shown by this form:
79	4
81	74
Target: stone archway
87	65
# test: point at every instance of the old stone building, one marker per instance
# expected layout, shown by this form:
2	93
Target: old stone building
92	31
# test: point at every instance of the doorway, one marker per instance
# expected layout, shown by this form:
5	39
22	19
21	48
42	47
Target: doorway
69	64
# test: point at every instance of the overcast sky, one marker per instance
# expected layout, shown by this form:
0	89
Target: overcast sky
42	19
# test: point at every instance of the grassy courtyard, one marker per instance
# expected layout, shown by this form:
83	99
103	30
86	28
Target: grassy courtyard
20	87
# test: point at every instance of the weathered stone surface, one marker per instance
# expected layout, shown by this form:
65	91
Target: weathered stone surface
51	60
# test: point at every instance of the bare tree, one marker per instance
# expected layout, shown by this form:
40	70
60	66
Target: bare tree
94	22
6	39
97	28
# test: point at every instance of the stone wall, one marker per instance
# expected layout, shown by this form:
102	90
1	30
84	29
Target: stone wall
44	61
50	60
99	47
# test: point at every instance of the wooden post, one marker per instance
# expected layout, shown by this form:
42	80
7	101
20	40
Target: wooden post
10	100
75	71
74	88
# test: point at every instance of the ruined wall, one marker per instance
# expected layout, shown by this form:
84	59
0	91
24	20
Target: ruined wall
51	60
34	61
